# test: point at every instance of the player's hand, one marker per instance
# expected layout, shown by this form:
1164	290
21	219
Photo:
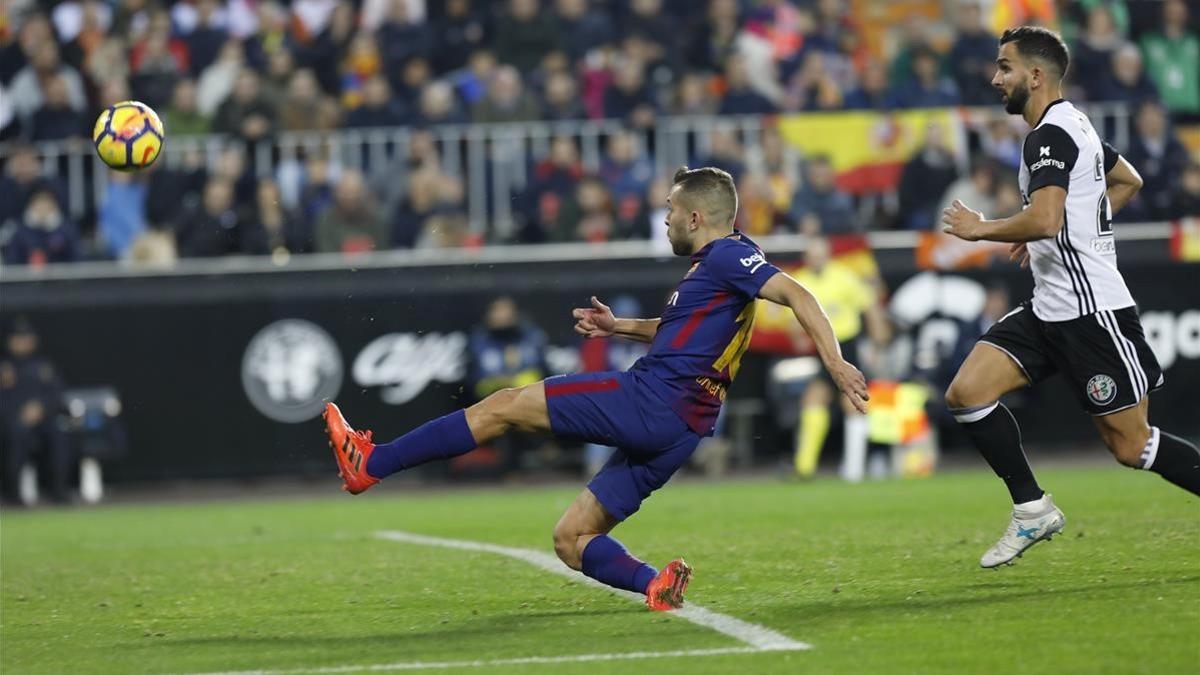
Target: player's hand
852	383
1019	252
961	221
595	321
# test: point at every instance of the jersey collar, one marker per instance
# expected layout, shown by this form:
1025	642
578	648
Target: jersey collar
703	253
1047	109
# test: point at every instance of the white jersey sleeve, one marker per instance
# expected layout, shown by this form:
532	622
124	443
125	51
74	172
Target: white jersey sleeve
1074	273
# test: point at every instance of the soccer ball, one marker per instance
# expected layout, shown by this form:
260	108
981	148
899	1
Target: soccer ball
128	136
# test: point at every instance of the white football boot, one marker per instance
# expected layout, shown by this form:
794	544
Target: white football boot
1031	522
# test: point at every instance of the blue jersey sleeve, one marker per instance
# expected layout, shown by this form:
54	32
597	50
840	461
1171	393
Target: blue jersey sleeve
740	268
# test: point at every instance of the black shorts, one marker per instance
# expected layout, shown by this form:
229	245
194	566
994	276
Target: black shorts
1104	355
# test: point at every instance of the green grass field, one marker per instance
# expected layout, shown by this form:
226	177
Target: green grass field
877	578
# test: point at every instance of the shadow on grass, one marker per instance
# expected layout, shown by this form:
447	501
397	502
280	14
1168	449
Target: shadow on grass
974	595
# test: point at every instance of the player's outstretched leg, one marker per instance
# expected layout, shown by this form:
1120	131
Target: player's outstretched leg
362	463
973	398
582	541
1136	444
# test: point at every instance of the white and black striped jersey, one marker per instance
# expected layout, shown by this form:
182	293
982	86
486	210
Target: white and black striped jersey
1074	273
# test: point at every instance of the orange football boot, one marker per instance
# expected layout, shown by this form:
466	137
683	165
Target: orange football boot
351	449
665	591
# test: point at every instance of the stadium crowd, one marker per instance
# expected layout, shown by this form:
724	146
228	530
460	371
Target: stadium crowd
250	69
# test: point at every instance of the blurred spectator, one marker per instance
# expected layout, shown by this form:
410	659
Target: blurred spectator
1127	82
714	39
1092	55
122	217
217	81
977	190
1159	157
233	164
628	98
819	204
460	32
471	82
273	35
56	119
582	28
1173	60
756	205
377	109
316	193
274	229
507	100
401	38
626	169
324	53
353	223
160	63
562	100
30	401
410	217
412	80
924	180
438	106
588	215
525	34
552	182
280	68
43	235
505	351
246	113
972	58
26	89
646	20
725	152
88	27
925	87
175	190
157	36
447	227
693	96
105	63
182	117
872	92
1002	142
14	56
207	38
1185	198
915	38
301	108
812	88
739	98
214	227
361	62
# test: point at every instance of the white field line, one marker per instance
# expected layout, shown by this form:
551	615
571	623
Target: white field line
528	660
753	635
757	638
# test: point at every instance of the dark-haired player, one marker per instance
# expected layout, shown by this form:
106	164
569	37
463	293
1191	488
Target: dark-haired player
1082	321
654	413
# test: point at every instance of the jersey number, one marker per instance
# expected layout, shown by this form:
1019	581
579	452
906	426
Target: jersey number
1104	225
732	356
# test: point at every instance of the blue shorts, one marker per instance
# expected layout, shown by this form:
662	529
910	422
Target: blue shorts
615	408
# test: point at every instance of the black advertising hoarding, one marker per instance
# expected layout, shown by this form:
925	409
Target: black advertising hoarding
223	375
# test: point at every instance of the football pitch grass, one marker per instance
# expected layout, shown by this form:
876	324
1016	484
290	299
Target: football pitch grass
880	577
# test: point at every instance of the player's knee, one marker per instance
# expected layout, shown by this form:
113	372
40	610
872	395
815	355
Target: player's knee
566	546
960	395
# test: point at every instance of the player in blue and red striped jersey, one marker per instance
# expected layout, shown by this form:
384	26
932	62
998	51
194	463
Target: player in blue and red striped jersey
654	413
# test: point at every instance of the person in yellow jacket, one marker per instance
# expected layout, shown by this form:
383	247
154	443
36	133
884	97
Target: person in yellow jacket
848	298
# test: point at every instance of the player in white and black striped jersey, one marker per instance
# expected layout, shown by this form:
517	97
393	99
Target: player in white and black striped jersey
1082	321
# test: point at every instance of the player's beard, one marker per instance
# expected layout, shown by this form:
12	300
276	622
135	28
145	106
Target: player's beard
1015	105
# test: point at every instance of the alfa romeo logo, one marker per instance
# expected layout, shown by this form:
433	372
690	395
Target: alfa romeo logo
1101	389
289	368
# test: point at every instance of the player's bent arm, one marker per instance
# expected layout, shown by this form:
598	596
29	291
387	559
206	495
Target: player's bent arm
641	330
1123	181
781	289
1042	219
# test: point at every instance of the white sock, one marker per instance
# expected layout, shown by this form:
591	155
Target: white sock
1034	508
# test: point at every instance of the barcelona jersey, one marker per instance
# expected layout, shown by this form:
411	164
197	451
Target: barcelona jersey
704	330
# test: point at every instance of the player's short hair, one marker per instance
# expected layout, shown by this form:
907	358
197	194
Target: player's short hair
1035	42
708	189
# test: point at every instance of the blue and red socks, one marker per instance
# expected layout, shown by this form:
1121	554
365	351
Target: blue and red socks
607	561
447	436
